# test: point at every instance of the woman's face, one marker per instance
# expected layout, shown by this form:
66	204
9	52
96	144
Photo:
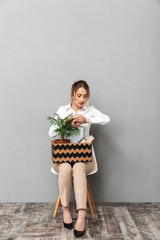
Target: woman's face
81	97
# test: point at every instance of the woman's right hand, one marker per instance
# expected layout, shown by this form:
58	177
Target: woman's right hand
77	120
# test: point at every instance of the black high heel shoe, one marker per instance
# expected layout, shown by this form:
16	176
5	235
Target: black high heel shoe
68	225
78	233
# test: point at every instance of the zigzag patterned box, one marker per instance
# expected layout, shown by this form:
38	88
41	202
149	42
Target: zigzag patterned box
71	152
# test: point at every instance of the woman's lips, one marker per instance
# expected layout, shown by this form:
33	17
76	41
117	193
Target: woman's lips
81	103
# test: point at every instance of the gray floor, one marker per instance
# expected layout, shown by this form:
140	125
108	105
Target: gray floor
112	221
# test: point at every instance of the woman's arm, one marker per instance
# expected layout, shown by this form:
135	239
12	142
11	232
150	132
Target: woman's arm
94	116
97	117
51	132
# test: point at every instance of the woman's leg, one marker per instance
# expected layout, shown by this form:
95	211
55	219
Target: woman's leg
80	170
80	187
65	183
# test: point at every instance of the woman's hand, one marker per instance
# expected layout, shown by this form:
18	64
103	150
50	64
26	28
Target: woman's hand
77	120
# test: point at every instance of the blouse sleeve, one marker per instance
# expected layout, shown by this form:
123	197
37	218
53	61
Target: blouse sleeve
97	117
52	132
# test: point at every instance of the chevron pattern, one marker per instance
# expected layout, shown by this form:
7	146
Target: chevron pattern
71	152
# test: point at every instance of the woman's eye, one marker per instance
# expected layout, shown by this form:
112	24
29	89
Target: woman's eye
80	96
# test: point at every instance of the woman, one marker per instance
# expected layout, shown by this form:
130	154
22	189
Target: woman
83	115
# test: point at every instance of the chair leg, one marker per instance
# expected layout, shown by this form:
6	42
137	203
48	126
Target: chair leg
90	194
90	203
57	206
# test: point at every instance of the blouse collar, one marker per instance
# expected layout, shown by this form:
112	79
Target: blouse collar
85	107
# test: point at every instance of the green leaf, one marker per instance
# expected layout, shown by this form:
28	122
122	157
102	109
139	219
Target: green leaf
63	125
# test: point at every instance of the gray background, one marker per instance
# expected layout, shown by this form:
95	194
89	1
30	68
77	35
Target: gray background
46	45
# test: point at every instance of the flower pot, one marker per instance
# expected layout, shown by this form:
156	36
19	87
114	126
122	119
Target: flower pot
62	141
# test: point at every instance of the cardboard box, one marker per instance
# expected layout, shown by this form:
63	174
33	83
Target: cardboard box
71	152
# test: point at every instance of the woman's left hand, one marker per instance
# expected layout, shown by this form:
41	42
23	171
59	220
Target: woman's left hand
77	120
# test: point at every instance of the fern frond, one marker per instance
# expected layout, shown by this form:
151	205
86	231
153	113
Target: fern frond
63	125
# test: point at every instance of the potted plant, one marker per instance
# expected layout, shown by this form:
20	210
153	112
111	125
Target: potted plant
63	127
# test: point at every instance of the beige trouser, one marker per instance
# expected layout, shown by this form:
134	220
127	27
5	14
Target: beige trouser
78	171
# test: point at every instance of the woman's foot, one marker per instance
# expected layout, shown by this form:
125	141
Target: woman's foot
80	223
79	229
67	219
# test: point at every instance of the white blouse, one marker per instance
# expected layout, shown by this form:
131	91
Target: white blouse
90	112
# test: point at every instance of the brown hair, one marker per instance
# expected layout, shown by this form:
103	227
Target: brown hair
78	84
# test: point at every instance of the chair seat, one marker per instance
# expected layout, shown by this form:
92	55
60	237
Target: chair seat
93	172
